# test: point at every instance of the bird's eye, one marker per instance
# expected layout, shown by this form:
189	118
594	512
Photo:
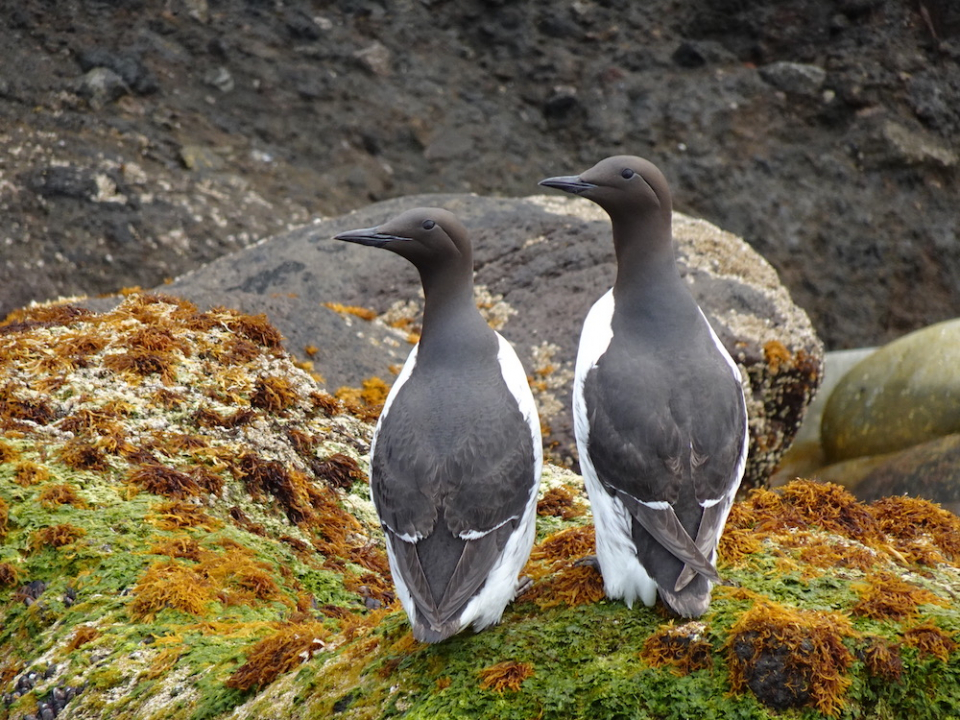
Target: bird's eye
627	173
428	225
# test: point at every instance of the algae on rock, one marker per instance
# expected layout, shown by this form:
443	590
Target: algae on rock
186	533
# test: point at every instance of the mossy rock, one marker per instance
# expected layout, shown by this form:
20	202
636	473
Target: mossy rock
186	533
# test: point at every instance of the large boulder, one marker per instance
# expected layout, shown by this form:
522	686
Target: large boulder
540	264
904	394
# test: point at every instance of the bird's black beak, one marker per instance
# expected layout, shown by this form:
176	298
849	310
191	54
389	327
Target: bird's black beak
368	236
568	183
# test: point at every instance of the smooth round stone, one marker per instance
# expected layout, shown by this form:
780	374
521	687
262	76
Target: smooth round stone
905	393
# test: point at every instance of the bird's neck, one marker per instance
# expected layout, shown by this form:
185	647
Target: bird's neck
450	315
646	265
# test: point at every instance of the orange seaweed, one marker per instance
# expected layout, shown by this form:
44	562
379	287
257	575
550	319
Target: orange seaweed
507	675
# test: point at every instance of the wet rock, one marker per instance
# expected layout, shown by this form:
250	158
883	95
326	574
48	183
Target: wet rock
561	103
300	25
550	259
794	78
905	393
101	86
930	470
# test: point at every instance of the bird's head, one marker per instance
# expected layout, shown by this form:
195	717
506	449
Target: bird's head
427	237
622	185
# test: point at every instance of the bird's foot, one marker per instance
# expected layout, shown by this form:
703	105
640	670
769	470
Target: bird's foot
524	583
588	561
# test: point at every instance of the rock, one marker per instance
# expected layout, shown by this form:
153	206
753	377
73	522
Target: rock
697	53
219	502
549	259
198	157
220	78
448	144
794	78
375	58
905	393
128	65
887	143
805	454
101	86
561	102
62	181
930	470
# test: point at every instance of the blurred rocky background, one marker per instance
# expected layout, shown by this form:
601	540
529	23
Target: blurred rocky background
141	139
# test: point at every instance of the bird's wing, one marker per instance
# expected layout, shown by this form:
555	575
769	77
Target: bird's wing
670	446
662	522
452	508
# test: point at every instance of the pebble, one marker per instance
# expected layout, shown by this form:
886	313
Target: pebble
101	86
794	78
376	58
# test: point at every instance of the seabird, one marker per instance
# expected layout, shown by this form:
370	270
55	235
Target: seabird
659	413
456	455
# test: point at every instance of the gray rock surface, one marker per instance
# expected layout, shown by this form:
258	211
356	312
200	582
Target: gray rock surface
540	262
905	393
